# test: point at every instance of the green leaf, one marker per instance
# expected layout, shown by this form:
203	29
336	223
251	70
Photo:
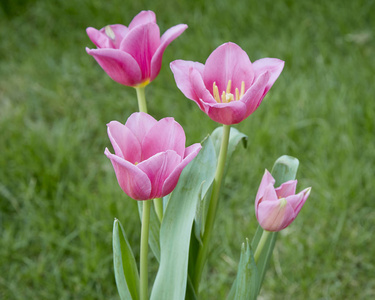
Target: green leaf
247	275
154	233
125	267
284	169
175	231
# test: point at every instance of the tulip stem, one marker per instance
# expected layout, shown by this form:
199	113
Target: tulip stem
158	203
144	250
260	246
141	98
211	214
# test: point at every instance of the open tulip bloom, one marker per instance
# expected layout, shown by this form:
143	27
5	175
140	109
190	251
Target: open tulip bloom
149	155
132	55
276	208
151	160
228	87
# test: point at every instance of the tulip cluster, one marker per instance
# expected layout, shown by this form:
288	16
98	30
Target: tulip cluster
151	161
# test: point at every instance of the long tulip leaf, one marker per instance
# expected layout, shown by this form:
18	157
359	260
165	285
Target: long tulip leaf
247	275
175	231
125	267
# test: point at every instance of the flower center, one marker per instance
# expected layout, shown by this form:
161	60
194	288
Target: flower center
227	96
110	33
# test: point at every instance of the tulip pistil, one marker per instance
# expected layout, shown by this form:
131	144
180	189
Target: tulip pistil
109	32
282	202
226	95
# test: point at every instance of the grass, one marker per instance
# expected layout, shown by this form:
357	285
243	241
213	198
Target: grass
59	194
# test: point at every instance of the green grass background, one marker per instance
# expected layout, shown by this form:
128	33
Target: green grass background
59	194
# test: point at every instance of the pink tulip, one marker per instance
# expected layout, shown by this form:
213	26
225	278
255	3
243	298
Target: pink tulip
228	88
149	155
276	208
132	55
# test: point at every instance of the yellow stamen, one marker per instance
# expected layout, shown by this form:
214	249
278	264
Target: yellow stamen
229	86
242	89
223	97
109	32
136	163
237	94
215	91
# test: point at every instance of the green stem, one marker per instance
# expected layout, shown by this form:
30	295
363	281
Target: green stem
141	98
211	214
261	243
144	250
158	203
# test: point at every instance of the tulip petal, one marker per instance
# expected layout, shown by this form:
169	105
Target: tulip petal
133	181
181	70
202	93
226	113
158	168
171	182
254	95
272	217
165	135
124	142
141	43
144	17
297	201
120	66
286	189
99	38
273	65
140	123
269	194
228	62
171	34
266	181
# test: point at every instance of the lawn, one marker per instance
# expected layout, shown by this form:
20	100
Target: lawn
59	194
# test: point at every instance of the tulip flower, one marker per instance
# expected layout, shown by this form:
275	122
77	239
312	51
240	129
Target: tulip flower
228	87
276	208
132	55
149	155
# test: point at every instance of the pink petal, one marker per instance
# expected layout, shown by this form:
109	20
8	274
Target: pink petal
171	182
124	142
195	148
171	34
272	217
141	43
181	71
202	93
158	168
140	123
133	181
286	189
228	62
273	65
226	113
165	135
144	17
120	66
269	194
297	201
100	39
253	96
267	180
